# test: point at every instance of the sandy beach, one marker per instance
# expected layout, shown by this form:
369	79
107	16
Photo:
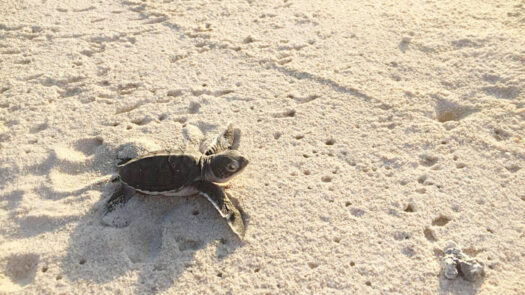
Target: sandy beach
377	132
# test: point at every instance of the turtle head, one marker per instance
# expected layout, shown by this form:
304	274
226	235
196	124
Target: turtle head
223	166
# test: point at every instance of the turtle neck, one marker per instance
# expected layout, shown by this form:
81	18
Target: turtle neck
205	166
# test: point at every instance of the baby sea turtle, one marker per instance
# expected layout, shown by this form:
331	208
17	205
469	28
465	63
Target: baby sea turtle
175	173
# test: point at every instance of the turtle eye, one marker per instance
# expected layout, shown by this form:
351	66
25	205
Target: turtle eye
233	166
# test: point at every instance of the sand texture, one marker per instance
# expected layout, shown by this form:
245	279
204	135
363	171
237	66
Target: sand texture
377	131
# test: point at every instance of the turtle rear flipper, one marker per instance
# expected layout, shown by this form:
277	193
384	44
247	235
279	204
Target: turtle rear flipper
228	139
220	200
118	198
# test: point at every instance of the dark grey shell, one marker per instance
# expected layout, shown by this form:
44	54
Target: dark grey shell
161	171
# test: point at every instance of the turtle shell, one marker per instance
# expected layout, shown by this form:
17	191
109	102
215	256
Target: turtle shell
159	172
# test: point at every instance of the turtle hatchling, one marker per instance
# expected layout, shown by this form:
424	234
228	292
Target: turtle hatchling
176	173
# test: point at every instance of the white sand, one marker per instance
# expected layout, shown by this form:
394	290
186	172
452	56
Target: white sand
377	131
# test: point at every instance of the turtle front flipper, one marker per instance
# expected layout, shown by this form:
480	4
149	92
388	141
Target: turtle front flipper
228	139
220	200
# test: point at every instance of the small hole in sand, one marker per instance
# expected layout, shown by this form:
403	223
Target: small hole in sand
313	265
256	270
352	263
290	113
438	252
421	190
401	235
219	274
500	134
408	251
82	261
357	212
429	234
440	221
299	137
409	208
59	277
44	269
195	212
446	116
348	203
326	179
472	252
428	160
306	156
337	240
140	121
451	111
513	168
306	172
460	165
368	283
277	135
330	141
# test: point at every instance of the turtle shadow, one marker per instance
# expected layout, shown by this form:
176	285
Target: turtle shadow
66	177
28	224
93	151
60	180
156	240
13	199
7	175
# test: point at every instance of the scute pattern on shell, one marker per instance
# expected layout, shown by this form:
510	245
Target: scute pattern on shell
160	171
